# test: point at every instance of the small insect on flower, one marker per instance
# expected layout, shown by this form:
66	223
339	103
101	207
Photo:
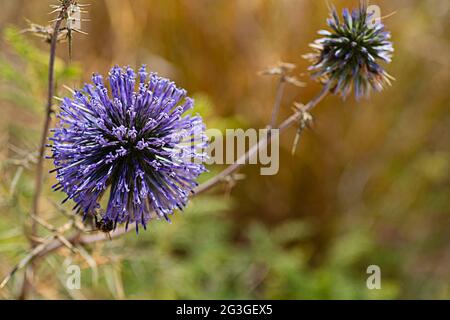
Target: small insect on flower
134	144
348	55
104	225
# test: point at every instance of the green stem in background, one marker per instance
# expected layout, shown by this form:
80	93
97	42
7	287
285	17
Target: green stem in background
278	100
40	163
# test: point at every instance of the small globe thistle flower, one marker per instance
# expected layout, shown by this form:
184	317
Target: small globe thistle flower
349	54
131	144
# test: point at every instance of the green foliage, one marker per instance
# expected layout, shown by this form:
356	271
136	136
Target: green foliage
200	255
24	72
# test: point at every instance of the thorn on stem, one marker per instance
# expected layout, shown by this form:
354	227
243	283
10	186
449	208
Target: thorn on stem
304	121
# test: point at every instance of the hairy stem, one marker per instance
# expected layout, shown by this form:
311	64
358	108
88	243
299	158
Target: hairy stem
40	162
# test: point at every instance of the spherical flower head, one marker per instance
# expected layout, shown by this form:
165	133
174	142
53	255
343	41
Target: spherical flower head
348	55
132	143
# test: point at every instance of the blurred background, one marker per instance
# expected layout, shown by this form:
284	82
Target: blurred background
369	185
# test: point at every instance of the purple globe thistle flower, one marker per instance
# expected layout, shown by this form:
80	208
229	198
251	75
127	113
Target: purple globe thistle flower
348	55
134	145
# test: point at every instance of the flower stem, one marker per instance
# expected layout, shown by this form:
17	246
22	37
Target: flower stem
278	100
40	163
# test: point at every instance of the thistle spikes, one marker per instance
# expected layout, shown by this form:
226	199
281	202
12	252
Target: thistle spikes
348	55
130	143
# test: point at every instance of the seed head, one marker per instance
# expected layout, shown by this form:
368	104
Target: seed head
348	55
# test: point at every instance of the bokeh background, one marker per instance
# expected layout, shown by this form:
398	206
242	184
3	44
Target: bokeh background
369	185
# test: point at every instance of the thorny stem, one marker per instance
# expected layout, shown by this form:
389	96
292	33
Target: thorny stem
262	143
79	239
40	162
